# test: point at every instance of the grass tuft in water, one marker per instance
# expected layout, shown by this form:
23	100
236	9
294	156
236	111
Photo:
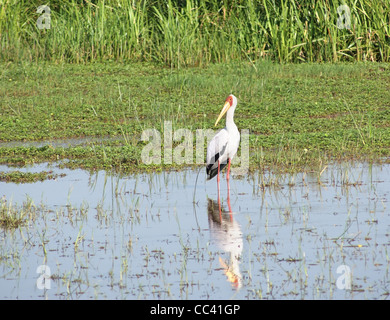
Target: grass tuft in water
13	216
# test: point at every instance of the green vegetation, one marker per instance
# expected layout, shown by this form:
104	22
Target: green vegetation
27	177
298	115
195	32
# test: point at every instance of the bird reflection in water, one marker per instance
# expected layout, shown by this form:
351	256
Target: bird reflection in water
227	233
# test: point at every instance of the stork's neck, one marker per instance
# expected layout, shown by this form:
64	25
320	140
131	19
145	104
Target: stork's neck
230	125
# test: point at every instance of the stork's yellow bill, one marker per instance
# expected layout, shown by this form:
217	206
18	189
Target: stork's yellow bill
224	110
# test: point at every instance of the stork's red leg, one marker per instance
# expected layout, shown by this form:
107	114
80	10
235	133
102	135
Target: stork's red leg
219	205
218	173
228	201
228	171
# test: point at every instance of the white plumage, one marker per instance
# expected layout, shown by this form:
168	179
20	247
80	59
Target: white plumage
224	145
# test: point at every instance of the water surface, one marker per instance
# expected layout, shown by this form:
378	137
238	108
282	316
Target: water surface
170	236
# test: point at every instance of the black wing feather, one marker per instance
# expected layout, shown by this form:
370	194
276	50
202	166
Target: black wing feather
212	169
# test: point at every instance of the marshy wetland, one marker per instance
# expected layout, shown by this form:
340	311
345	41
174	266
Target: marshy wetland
83	216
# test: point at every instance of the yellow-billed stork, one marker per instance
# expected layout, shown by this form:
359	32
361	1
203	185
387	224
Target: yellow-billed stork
223	147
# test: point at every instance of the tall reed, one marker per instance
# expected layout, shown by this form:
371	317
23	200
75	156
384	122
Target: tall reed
196	32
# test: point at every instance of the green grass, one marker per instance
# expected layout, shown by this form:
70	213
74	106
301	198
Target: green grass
299	115
195	32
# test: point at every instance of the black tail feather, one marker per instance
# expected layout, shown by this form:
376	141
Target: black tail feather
212	172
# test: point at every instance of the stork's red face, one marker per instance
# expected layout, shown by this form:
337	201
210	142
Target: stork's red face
227	105
230	100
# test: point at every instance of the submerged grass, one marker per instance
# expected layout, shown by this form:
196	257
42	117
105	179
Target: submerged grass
298	115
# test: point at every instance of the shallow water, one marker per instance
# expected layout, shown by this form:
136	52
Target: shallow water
160	236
